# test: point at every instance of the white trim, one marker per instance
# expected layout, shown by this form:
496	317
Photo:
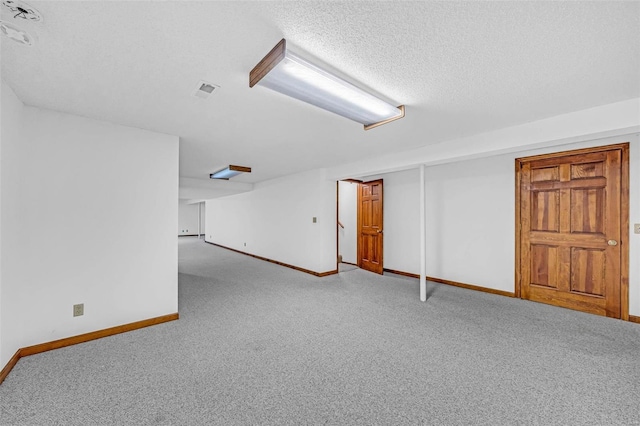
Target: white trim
423	239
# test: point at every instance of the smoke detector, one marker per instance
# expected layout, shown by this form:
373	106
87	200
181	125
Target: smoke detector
21	10
16	34
204	89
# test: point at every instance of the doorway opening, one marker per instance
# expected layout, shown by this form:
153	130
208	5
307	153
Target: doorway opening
346	228
360	225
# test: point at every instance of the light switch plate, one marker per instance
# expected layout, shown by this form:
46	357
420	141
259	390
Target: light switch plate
636	228
315	219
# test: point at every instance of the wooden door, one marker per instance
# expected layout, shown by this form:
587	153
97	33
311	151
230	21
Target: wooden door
573	216
370	232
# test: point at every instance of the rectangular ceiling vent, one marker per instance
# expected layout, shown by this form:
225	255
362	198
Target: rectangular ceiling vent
204	89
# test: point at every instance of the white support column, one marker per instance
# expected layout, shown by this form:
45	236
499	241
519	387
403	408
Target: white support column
423	239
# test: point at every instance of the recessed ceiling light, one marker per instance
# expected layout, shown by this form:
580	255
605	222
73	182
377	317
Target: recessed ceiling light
15	33
22	10
204	89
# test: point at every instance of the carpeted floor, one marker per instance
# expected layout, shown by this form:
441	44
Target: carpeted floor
257	343
346	267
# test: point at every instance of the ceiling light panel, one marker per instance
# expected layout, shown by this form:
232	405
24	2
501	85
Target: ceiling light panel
285	72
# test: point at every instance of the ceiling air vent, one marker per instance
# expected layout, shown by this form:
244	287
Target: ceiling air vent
204	90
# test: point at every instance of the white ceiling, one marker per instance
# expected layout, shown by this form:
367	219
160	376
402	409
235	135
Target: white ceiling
460	68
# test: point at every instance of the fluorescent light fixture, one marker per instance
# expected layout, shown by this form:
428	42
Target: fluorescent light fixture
287	73
229	172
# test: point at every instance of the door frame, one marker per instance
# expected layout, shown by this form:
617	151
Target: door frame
338	224
624	216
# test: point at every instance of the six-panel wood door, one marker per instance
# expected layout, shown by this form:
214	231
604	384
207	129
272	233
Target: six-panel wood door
570	235
370	232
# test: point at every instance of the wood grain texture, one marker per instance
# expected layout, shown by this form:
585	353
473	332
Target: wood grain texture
516	275
7	368
624	236
317	274
74	340
242	169
380	123
471	287
551	156
270	61
453	283
297	268
370	237
562	253
405	274
634	318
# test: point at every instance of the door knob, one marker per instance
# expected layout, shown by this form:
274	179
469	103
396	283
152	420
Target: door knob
612	242
379	231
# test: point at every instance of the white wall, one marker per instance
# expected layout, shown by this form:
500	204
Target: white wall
275	221
348	216
605	121
401	217
10	125
459	169
203	216
188	218
470	207
88	216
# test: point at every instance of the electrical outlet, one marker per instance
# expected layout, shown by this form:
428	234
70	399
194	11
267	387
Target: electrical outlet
636	228
78	310
245	244
315	219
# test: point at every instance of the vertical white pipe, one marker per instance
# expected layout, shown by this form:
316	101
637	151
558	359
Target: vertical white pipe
423	240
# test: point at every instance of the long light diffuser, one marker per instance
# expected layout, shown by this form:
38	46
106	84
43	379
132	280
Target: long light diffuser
285	72
229	172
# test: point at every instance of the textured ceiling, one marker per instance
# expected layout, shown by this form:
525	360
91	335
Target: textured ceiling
460	68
